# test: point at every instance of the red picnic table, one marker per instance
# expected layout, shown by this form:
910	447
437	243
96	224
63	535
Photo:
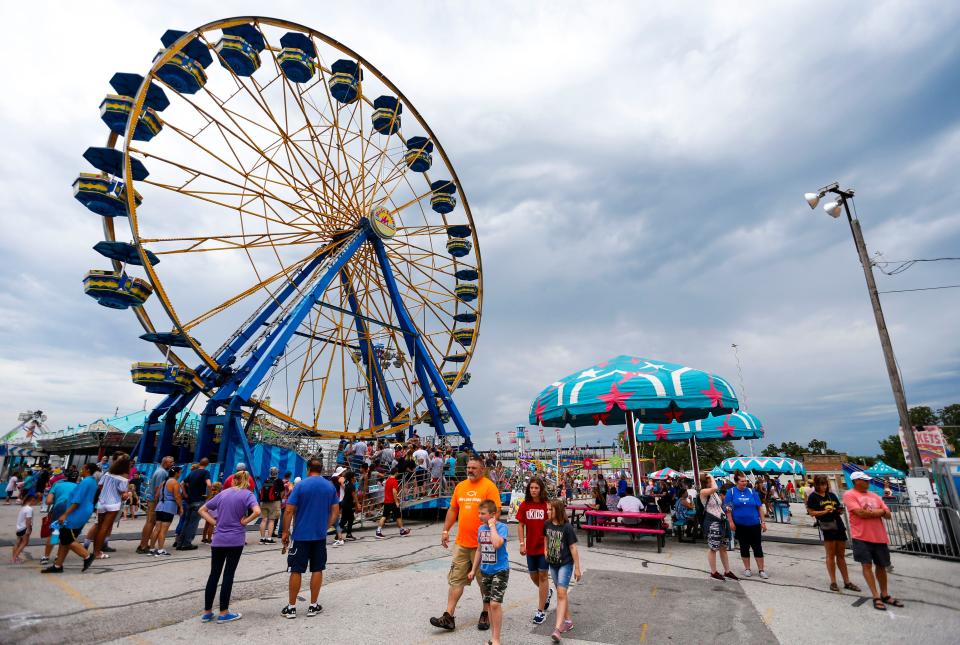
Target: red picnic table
650	524
574	508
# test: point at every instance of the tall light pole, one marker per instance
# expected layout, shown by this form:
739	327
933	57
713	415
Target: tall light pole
834	209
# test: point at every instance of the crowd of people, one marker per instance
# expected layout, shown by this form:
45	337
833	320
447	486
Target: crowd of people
301	513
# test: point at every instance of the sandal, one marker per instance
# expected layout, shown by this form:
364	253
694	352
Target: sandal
878	604
104	556
834	587
851	586
890	600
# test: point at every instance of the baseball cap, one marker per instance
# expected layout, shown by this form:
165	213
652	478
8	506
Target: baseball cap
241	466
339	471
860	475
273	471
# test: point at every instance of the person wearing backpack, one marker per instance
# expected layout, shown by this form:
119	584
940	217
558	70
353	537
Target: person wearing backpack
270	495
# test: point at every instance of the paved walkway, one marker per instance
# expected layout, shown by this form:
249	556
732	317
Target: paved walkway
385	591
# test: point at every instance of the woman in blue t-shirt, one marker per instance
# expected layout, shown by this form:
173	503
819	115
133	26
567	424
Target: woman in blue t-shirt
745	518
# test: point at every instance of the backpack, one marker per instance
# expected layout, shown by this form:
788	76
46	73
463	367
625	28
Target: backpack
268	492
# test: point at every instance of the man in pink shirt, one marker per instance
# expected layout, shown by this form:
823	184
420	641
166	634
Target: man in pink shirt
870	541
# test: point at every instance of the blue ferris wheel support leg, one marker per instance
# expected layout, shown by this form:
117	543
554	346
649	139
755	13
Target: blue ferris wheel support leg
426	371
370	361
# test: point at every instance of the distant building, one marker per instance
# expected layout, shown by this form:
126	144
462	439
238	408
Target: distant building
829	465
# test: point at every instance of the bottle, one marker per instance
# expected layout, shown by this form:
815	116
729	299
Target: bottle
55	533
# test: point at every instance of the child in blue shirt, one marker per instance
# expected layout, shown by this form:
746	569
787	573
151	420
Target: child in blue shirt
492	563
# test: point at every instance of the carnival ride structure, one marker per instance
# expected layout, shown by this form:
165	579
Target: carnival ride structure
301	229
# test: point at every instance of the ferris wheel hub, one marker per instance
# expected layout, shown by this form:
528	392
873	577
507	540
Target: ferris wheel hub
382	222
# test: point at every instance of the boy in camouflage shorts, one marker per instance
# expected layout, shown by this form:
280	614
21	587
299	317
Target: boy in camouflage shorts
493	565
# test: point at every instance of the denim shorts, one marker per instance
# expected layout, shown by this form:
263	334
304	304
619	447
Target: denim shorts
537	563
561	574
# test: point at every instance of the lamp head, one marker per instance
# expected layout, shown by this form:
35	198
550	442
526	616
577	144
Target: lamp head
834	209
812	199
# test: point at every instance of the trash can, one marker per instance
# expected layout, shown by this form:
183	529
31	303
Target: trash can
781	511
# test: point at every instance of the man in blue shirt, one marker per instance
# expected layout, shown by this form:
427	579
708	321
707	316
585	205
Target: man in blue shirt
57	501
313	507
72	519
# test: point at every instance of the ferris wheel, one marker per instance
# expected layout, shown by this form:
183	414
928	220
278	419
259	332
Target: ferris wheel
309	260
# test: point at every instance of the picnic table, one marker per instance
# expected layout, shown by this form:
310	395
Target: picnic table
607	521
574	509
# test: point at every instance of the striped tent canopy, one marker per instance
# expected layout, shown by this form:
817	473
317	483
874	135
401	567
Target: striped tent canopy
881	470
737	425
780	465
7	450
718	472
665	473
654	391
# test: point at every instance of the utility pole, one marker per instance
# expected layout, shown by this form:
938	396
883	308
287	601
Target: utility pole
895	383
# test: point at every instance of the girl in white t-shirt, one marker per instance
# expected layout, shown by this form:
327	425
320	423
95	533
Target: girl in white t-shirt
24	527
113	492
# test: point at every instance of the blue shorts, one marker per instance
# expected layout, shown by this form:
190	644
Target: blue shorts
561	575
537	563
307	552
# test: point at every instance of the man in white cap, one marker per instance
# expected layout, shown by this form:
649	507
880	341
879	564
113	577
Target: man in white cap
271	492
870	540
241	467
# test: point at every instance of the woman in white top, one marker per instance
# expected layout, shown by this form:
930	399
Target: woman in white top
113	491
715	528
12	491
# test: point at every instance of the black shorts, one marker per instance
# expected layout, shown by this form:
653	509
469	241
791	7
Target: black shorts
68	536
164	517
391	512
421	476
871	553
307	552
21	533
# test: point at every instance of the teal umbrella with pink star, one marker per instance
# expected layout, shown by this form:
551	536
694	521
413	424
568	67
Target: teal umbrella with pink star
627	389
736	425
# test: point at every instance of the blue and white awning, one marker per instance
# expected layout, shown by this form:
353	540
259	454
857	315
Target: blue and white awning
781	465
737	425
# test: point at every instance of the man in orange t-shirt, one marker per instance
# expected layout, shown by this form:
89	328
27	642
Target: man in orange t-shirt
465	512
870	540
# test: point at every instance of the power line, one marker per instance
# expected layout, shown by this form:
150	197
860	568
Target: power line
946	286
903	265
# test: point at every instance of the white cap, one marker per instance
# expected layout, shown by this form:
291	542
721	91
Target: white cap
296	480
860	475
339	471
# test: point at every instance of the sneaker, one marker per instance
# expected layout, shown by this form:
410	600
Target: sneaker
539	618
716	575
160	552
270	540
546	605
108	549
555	636
313	610
263	540
731	575
289	612
747	573
190	547
379	534
52	569
142	551
44	560
207	617
484	623
351	538
404	532
763	574
87	561
444	622
338	543
567	626
229	617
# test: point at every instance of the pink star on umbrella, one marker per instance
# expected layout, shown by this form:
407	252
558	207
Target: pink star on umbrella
601	418
615	397
539	410
726	429
713	394
673	415
661	433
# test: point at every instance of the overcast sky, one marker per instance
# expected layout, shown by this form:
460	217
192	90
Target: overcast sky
636	177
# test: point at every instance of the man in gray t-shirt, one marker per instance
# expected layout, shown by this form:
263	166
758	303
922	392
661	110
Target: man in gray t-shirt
157	479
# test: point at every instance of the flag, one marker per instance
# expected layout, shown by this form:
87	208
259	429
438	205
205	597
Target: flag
542	438
513	437
559	441
498	439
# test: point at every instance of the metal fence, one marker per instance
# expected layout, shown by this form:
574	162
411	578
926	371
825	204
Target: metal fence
924	530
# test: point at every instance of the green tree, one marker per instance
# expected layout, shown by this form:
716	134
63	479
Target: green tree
923	415
892	452
770	451
950	420
820	447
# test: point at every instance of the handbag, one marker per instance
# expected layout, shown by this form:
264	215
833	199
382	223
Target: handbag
829	525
